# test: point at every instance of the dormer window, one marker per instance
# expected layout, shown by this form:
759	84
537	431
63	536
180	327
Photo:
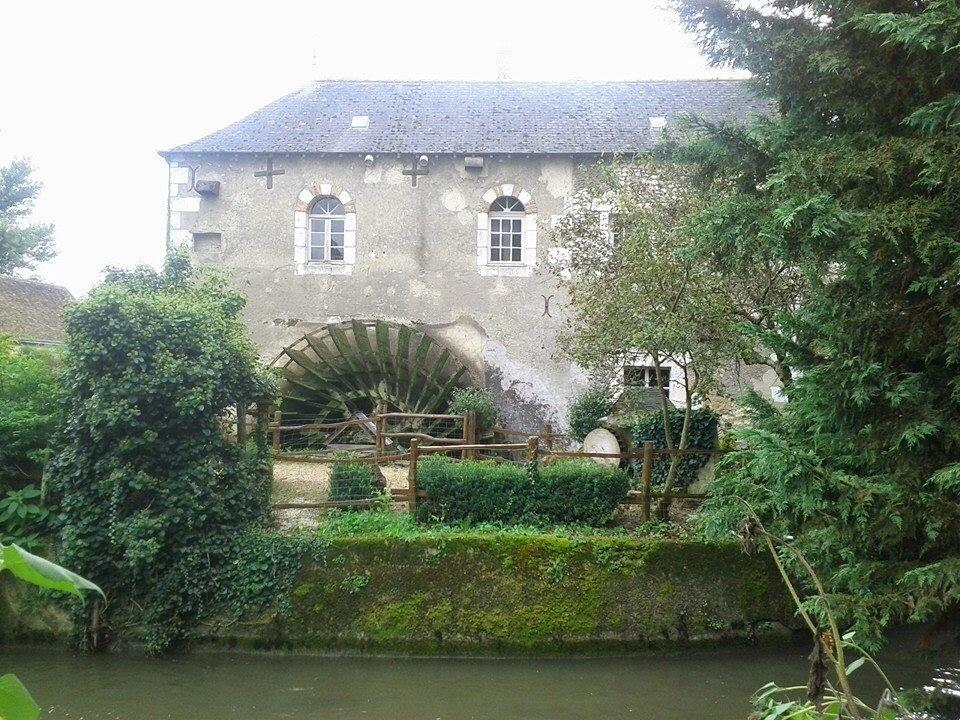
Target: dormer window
326	230
506	230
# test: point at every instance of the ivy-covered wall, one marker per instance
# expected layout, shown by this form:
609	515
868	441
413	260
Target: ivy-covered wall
522	593
478	592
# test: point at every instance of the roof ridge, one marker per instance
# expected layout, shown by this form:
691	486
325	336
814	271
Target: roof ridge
31	280
398	81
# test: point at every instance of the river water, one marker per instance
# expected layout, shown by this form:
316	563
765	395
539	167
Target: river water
682	685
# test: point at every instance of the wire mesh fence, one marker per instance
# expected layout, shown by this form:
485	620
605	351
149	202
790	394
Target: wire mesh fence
386	434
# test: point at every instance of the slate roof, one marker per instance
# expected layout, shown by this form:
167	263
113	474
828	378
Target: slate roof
477	117
32	311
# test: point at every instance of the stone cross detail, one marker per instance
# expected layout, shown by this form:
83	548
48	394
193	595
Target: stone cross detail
269	172
414	171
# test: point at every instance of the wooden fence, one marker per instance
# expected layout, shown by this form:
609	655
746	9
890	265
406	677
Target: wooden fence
532	452
461	432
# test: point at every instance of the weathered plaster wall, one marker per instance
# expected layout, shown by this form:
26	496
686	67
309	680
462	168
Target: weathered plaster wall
412	257
415	261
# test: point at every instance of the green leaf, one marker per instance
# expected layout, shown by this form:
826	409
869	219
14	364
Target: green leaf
15	702
43	573
779	710
855	665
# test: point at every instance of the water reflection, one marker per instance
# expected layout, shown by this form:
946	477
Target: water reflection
939	699
681	685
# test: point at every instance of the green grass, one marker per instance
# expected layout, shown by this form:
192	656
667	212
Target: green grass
390	524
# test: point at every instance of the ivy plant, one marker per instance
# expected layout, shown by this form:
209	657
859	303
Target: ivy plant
153	497
703	436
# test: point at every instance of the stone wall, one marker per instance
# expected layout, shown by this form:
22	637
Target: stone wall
475	592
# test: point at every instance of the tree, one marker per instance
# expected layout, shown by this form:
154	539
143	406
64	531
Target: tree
642	289
855	184
22	244
153	497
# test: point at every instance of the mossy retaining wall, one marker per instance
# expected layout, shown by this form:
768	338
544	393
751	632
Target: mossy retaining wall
486	593
496	593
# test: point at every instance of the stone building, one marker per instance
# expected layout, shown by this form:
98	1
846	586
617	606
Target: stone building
393	238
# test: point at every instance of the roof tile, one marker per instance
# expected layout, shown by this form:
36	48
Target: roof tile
32	311
477	117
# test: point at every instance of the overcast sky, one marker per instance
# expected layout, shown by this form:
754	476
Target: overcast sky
91	90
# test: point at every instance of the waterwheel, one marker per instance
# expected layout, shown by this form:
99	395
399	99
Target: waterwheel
367	367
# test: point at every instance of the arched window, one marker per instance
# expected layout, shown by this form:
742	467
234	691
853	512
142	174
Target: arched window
325	225
506	230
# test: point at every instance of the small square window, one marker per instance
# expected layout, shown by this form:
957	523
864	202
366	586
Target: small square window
206	244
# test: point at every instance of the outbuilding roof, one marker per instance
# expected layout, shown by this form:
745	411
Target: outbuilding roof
347	116
32	312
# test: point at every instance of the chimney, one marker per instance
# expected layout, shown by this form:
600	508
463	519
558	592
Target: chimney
503	64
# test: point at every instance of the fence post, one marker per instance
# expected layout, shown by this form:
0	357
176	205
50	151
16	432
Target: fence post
646	477
472	437
412	475
548	431
380	430
277	417
533	449
263	422
241	423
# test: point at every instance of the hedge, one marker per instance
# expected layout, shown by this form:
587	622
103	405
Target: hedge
474	492
703	436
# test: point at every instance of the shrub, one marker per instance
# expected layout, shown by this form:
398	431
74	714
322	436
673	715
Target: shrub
587	409
23	520
479	492
579	491
703	436
153	498
476	400
472	491
29	410
352	481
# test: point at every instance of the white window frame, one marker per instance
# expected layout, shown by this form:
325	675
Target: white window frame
516	214
321	225
305	207
486	208
649	373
